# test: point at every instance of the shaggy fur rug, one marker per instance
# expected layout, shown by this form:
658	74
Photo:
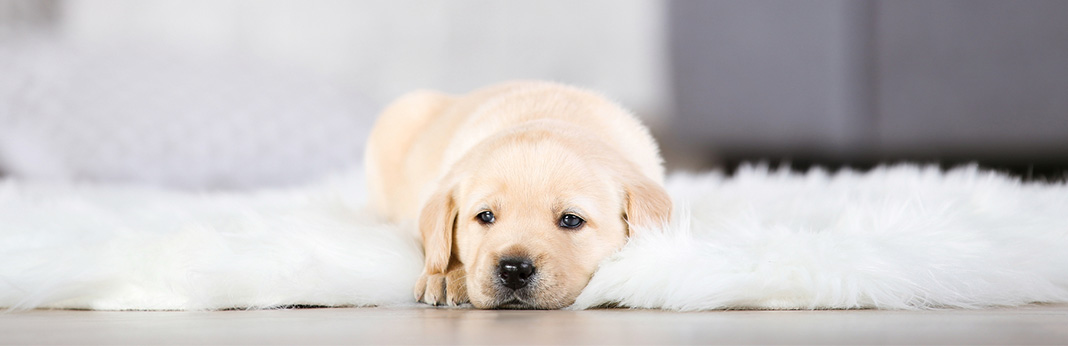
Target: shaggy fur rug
893	238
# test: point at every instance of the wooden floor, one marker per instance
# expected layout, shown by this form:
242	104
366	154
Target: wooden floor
1036	324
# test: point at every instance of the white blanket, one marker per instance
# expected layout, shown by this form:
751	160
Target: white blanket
893	238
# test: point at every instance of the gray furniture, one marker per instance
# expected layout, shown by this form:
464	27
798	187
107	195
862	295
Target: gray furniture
867	81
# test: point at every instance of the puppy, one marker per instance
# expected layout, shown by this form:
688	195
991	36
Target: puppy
519	189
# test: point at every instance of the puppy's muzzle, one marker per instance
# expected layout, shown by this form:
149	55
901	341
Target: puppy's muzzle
515	272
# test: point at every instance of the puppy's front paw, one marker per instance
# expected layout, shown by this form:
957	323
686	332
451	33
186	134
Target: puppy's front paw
456	287
440	289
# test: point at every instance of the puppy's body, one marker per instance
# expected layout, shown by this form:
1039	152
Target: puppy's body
535	156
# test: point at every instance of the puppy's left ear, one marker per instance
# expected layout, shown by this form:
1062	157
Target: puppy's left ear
648	205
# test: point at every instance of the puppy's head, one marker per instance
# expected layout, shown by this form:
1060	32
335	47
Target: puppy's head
531	215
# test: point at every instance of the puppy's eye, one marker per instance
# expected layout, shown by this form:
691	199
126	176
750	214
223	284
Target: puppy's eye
486	217
571	221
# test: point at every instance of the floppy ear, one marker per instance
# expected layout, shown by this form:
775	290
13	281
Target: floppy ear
648	205
437	221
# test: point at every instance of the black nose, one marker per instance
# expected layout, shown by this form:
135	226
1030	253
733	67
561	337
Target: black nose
515	272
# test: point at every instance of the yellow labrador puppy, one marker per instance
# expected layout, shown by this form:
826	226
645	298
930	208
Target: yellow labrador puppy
519	189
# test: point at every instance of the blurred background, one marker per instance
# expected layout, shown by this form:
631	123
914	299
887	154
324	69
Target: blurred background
243	94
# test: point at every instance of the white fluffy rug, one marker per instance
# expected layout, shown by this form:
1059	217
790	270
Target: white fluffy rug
894	238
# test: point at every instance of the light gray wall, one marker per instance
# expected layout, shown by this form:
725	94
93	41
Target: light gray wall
20	17
389	47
